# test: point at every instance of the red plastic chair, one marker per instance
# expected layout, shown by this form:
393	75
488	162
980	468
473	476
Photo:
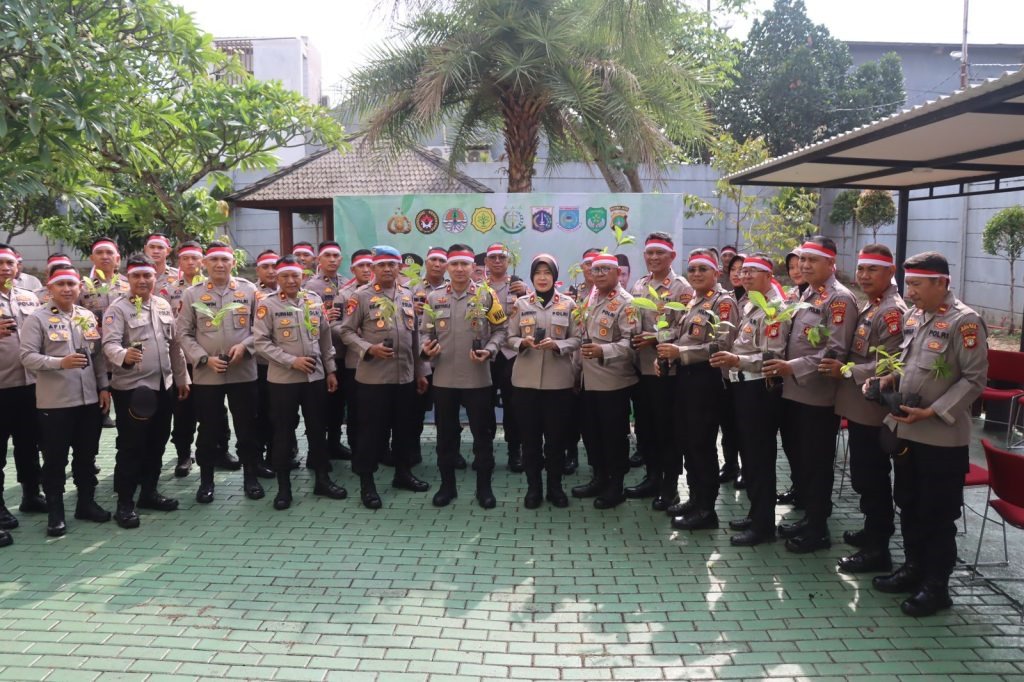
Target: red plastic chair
1008	366
1006	484
976	477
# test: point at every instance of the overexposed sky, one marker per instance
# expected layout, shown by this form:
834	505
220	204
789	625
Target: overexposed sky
345	31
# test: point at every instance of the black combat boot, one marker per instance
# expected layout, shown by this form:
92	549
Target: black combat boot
283	499
56	525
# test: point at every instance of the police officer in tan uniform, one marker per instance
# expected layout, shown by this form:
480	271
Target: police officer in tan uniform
574	411
60	343
879	325
822	329
654	396
54	259
326	284
215	331
757	399
291	331
607	322
362	274
17	396
468	332
543	333
158	248
266	285
707	326
142	351
945	366
24	280
380	323
306	258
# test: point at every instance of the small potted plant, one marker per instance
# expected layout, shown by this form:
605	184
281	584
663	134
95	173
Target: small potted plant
431	322
217	318
476	312
84	325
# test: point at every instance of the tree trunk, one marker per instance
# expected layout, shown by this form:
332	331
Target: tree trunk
613	177
1013	311
635	183
522	136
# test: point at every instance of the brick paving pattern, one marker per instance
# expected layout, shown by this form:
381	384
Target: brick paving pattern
331	591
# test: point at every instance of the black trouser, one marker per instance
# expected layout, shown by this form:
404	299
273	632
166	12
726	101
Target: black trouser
787	431
424	404
209	404
869	476
605	416
929	490
700	401
383	409
336	409
264	432
140	443
19	424
501	380
814	430
479	411
64	428
285	402
760	411
352	397
185	422
654	411
573	413
731	443
545	428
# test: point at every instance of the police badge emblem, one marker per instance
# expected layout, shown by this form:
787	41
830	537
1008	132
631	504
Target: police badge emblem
399	224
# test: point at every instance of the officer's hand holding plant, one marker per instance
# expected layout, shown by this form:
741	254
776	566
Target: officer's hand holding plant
431	348
302	364
74	361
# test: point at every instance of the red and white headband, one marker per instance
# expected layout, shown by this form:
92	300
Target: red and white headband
817	250
918	272
190	251
461	257
305	250
58	260
704	259
63	275
365	259
757	264
220	251
603	259
158	239
875	259
266	258
437	253
104	243
8	254
141	267
330	249
497	250
589	258
386	258
289	268
658	245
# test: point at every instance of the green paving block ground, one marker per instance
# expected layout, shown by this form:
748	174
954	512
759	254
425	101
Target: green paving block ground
328	590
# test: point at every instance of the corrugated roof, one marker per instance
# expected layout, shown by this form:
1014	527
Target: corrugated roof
329	173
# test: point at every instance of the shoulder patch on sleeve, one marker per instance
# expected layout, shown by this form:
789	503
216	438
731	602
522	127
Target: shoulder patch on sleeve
725	309
261	312
969	334
838	310
351	306
893	321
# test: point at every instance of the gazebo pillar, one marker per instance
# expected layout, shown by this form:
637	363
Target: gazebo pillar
285	229
327	220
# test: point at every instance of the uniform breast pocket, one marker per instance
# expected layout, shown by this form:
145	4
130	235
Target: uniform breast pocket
138	329
527	323
444	316
240	320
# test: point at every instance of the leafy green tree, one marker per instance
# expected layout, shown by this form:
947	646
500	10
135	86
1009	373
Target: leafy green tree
1004	236
20	212
795	87
844	211
593	77
786	224
874	209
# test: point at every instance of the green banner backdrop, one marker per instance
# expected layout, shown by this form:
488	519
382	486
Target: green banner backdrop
563	225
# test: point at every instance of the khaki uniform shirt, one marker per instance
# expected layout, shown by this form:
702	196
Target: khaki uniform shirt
453	367
365	325
280	335
98	295
754	336
678	290
162	360
43	295
833	306
958	335
508	303
165	283
544	369
693	333
262	292
200	337
50	335
345	294
420	292
610	321
27	281
177	291
880	323
19	304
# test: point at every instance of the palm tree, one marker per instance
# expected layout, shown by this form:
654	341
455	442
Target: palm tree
592	76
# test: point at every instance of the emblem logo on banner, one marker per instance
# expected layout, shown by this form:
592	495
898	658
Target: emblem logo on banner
620	217
483	219
513	221
597	219
427	221
399	224
569	217
455	220
543	217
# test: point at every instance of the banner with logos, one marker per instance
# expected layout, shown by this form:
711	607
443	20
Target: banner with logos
563	225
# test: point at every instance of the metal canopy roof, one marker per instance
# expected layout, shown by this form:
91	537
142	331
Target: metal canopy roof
970	136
